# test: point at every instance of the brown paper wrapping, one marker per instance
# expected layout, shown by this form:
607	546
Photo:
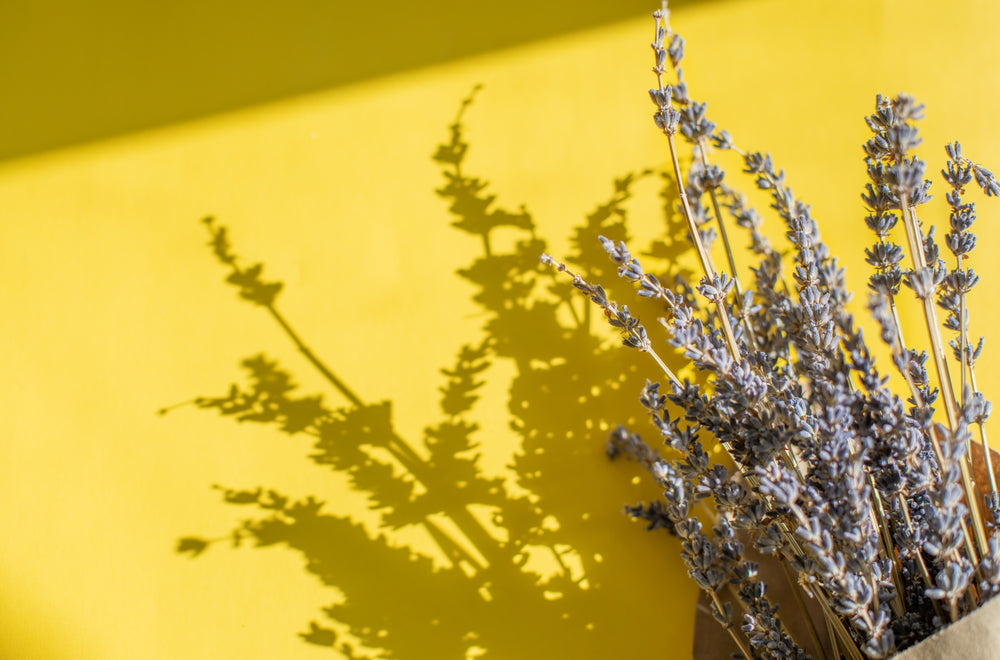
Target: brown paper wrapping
975	636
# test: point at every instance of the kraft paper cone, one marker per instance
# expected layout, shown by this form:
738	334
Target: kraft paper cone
975	636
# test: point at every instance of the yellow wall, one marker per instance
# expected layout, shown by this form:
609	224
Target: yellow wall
114	308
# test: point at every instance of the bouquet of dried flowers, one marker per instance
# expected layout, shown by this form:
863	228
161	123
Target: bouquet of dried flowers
866	497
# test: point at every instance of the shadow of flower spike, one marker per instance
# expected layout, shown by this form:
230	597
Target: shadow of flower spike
495	531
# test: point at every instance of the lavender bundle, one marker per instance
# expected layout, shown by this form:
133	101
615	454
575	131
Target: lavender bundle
865	497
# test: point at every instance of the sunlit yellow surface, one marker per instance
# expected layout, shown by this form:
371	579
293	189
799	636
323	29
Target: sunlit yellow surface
114	308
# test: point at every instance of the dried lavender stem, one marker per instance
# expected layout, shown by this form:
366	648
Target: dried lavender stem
784	282
792	463
610	309
972	594
703	256
963	343
820	596
982	437
740	642
712	516
899	333
939	457
670	374
972	501
878	514
834	647
912	223
810	624
707	260
913	236
924	574
838	626
897	325
718	217
898	351
940	365
962	333
736	596
947	393
729	250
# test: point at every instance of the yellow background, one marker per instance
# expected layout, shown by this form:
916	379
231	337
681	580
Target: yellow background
114	308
